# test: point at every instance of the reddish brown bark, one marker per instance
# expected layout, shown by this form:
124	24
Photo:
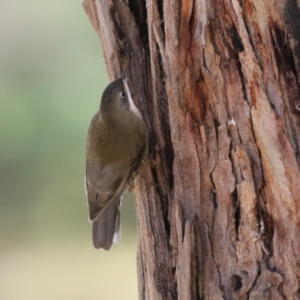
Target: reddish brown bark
218	199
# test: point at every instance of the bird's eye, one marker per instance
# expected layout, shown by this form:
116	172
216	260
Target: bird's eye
122	94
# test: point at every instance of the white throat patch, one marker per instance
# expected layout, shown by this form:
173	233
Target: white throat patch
132	106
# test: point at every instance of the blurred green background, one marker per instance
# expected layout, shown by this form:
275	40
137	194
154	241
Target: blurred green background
52	75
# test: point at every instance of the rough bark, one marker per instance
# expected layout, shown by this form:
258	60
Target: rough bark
218	199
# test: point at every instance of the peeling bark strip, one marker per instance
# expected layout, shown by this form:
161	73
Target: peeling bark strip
218	200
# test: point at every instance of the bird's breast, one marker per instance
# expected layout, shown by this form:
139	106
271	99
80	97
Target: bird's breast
116	142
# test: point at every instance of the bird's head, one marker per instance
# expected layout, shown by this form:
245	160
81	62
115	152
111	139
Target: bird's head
115	97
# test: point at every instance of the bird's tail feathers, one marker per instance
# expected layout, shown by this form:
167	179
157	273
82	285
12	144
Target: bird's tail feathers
117	233
106	227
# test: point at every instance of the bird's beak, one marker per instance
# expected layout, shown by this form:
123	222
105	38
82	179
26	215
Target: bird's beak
123	74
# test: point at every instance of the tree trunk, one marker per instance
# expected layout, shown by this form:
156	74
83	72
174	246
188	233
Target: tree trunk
218	199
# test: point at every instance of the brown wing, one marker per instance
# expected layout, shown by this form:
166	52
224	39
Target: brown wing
103	185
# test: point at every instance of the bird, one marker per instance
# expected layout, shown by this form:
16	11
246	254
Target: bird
117	144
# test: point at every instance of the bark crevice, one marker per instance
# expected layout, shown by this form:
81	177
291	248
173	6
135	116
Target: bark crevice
218	201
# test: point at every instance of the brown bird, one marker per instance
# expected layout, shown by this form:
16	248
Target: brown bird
117	144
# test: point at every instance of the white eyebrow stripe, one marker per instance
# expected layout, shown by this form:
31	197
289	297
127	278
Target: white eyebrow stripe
132	106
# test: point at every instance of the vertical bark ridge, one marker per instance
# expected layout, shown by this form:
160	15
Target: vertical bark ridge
218	200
